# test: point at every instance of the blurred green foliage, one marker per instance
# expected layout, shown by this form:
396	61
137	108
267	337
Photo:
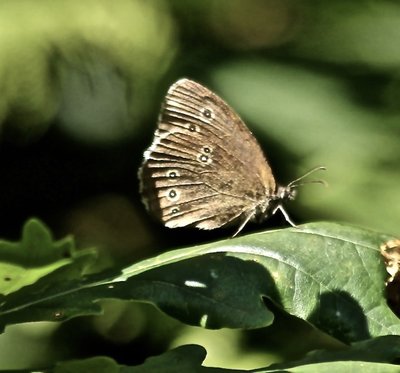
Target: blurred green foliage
82	83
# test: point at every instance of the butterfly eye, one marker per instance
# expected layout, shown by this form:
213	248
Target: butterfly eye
173	195
203	158
206	149
207	113
175	210
173	175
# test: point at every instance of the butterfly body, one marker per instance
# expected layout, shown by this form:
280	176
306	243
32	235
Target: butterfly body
204	167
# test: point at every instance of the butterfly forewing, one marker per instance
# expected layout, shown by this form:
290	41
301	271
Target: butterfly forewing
204	167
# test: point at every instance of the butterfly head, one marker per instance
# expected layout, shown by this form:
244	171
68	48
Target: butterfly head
289	192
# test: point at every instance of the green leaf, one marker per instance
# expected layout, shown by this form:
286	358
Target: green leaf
36	247
99	364
208	290
188	358
374	355
35	256
378	350
328	274
343	367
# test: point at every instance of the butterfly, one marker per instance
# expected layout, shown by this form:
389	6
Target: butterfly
205	168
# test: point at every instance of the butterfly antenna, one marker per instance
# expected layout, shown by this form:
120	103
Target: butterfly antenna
294	182
323	182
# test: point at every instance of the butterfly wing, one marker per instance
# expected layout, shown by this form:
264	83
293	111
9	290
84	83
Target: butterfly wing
204	167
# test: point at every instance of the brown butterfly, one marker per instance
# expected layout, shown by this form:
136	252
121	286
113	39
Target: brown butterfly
205	168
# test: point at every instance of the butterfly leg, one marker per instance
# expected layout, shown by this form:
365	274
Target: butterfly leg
285	214
244	222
